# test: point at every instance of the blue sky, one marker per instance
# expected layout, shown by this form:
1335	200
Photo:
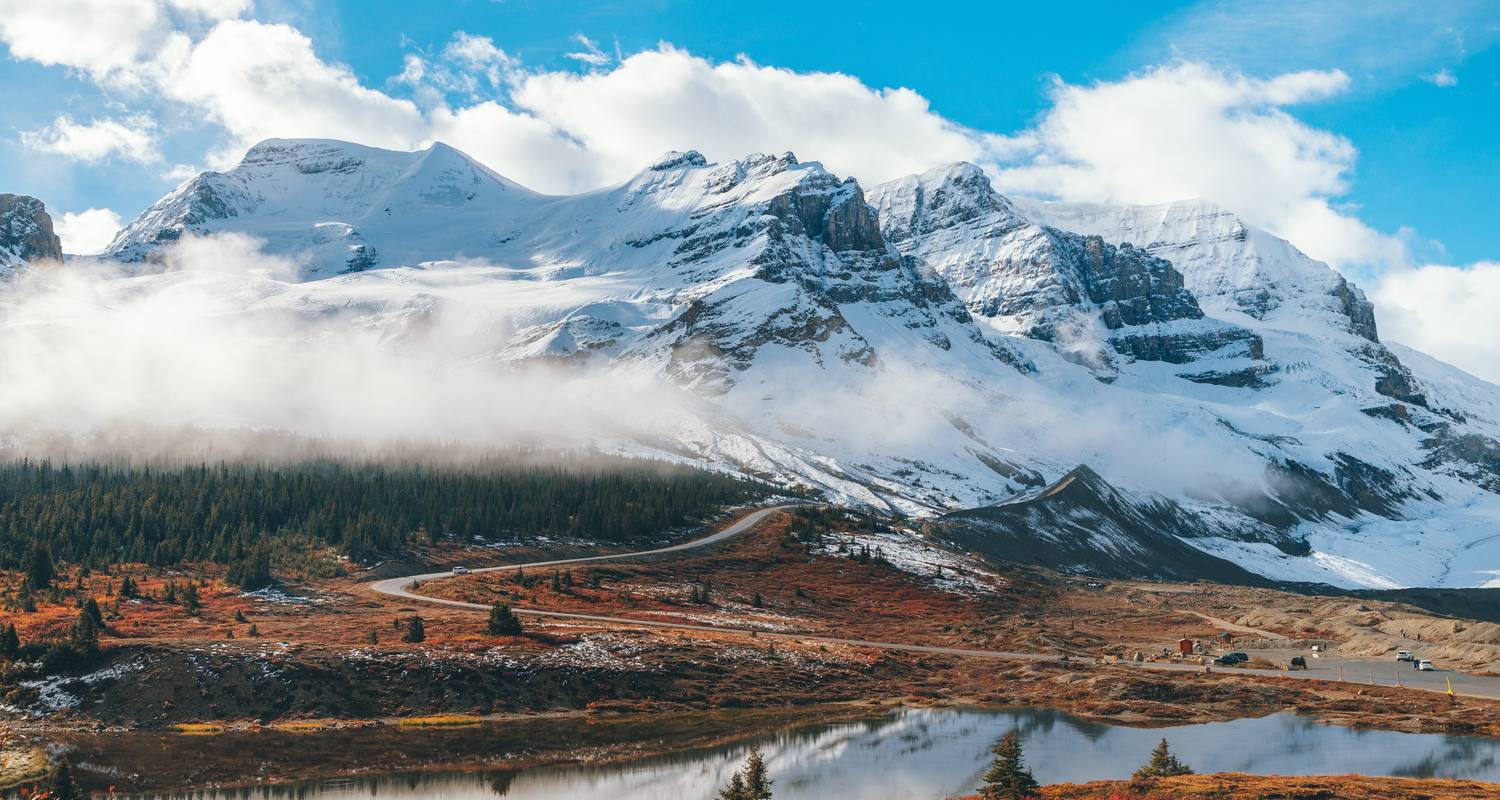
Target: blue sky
1412	104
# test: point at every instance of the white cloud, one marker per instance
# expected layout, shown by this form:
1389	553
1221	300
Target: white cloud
181	172
668	99
1443	78
133	138
591	54
101	37
87	232
261	81
1446	311
122	43
1189	130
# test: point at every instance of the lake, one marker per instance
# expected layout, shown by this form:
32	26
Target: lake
929	754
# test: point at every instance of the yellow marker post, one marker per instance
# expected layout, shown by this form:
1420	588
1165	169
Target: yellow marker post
1450	686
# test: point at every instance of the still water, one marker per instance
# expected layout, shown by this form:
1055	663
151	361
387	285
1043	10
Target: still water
932	754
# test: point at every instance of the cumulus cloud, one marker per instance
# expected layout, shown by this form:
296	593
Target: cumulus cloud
1445	310
87	232
668	99
133	139
260	81
1189	130
122	43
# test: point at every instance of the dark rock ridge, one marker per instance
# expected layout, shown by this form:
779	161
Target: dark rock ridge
1082	524
26	233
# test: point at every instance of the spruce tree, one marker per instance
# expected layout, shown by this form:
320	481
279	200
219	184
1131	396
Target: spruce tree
1008	778
84	637
1162	765
40	570
10	643
757	785
416	630
503	621
91	608
735	790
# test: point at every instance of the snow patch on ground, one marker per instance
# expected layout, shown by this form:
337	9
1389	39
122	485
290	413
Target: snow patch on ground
909	553
54	694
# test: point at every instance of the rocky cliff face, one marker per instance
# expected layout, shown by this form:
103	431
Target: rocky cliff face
1043	282
1227	264
26	232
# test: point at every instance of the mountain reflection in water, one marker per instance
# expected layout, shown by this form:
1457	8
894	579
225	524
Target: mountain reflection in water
927	754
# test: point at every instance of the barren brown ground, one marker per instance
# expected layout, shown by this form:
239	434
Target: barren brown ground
336	652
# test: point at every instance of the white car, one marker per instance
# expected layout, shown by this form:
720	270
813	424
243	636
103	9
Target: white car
460	570
1424	665
1405	655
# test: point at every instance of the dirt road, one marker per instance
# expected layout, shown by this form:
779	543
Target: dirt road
1350	670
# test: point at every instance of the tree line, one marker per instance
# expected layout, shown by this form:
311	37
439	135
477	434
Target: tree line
99	514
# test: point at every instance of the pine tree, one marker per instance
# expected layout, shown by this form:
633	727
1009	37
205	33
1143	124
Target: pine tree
60	783
84	637
40	570
1162	765
503	621
91	608
190	599
757	785
416	630
736	788
1008	778
10	643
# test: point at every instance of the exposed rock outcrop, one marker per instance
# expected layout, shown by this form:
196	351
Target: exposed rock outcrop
1045	283
26	233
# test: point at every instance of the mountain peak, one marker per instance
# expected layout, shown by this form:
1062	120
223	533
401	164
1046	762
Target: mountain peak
942	197
675	159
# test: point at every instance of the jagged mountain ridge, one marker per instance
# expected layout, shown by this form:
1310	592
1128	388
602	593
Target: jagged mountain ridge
930	347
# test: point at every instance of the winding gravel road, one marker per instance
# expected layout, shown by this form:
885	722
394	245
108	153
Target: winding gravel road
1325	669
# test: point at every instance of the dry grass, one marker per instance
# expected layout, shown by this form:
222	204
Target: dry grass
198	728
441	721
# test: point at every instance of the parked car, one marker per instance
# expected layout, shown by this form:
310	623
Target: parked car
1405	655
460	570
1298	662
1241	657
1425	665
1231	659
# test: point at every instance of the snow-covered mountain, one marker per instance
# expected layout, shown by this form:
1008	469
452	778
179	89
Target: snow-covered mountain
924	346
25	233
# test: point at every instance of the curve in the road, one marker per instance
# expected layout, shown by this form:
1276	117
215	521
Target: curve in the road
401	588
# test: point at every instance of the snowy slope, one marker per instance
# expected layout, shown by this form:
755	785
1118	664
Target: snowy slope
341	207
932	346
